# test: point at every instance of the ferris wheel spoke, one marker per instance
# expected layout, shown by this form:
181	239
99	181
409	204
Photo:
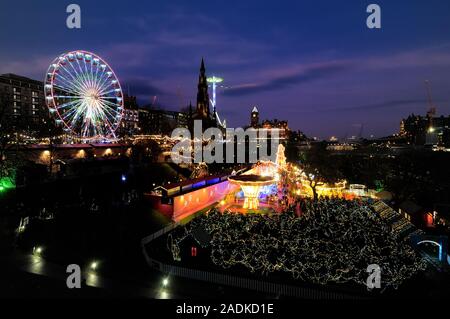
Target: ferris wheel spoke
78	77
65	90
103	84
93	124
71	107
105	110
83	76
70	118
96	74
92	73
81	71
79	88
64	81
111	106
75	78
85	128
66	97
100	114
78	116
109	125
109	92
108	98
86	72
99	81
88	75
69	104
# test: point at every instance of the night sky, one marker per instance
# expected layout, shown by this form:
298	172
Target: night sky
313	63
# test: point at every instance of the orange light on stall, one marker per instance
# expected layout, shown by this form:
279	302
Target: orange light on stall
108	152
429	220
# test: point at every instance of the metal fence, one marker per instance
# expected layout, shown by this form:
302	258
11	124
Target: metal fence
159	233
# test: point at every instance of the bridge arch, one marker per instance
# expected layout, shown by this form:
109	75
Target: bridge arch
440	241
434	243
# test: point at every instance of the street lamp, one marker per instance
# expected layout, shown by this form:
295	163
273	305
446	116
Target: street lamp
94	265
37	250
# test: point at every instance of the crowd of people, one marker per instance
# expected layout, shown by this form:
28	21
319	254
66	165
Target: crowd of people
332	241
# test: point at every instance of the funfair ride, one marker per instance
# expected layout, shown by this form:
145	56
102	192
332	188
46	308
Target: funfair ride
214	80
84	95
251	186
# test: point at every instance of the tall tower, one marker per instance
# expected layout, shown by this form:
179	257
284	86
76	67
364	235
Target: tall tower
214	80
202	94
254	119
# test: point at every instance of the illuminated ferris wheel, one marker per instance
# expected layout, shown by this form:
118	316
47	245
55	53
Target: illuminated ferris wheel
84	94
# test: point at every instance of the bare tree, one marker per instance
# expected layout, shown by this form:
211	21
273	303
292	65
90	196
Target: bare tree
319	167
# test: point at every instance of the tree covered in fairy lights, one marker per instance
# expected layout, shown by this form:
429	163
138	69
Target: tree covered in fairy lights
333	241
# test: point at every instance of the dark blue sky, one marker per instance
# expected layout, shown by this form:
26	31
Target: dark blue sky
313	63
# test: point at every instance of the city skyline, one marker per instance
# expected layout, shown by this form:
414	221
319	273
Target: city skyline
291	64
208	151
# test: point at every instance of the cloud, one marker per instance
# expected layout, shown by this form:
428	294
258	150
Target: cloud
143	89
35	69
285	75
391	104
163	36
290	78
139	86
435	56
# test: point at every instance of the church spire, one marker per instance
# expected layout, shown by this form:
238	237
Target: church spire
202	94
202	67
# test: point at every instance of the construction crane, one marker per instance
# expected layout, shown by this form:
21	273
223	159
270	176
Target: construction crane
431	113
153	101
361	131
